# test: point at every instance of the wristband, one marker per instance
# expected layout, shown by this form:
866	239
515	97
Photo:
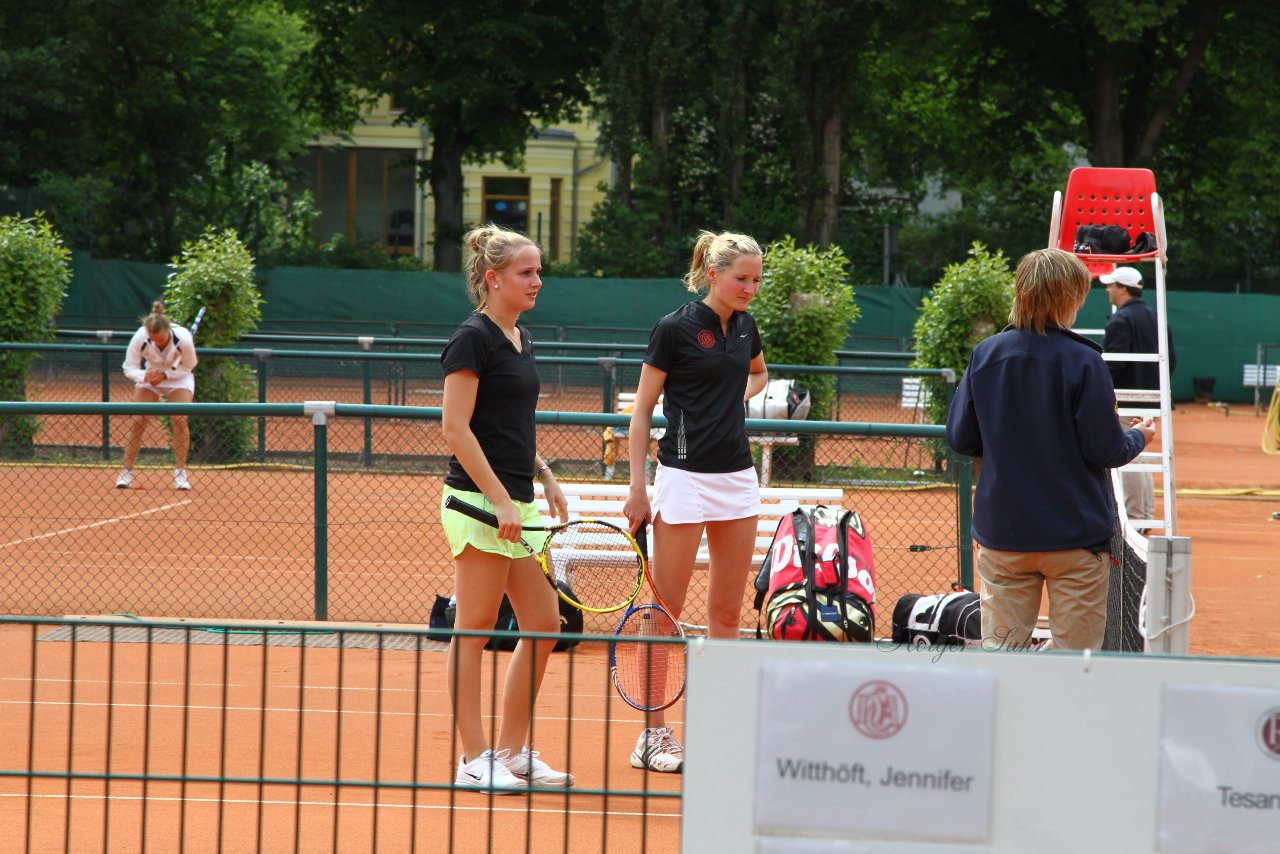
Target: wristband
545	467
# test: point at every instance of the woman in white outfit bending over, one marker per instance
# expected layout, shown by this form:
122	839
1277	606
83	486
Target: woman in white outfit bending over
160	361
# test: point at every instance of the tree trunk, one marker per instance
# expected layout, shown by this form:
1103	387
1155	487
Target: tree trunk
735	142
832	129
1104	117
661	127
446	190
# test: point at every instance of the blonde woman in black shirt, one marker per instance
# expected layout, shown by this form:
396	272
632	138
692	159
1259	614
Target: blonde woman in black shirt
705	359
490	394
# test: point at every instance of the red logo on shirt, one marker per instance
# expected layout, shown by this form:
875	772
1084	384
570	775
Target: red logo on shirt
706	338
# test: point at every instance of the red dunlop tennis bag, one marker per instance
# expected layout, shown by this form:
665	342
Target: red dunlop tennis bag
817	581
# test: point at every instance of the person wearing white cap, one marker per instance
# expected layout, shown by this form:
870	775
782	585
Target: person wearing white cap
1132	329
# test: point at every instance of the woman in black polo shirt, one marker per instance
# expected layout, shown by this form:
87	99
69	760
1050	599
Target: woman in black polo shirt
490	394
705	359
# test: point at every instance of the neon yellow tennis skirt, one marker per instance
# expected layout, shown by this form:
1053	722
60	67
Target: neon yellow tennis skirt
463	531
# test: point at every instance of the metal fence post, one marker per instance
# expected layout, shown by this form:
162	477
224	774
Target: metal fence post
321	411
262	356
106	398
964	498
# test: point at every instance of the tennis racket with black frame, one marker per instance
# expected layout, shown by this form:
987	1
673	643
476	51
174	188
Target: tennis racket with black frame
602	563
648	671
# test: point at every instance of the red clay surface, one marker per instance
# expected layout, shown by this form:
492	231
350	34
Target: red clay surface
1235	580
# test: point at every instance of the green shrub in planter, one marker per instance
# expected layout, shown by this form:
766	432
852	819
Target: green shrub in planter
969	303
216	273
34	271
804	309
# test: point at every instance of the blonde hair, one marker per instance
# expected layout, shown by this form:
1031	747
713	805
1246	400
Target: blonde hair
718	251
492	248
1049	286
156	321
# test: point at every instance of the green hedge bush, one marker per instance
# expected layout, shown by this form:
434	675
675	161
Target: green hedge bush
216	273
804	309
969	303
35	269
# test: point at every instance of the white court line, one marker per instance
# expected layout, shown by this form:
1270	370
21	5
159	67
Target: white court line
110	521
279	803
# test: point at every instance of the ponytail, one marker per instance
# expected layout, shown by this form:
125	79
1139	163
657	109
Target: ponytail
156	321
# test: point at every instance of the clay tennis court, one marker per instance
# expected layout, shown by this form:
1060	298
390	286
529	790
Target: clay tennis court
204	714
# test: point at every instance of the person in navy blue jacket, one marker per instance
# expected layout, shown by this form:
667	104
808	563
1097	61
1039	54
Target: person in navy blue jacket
1037	406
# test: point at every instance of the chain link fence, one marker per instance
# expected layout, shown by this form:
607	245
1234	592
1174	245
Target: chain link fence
339	518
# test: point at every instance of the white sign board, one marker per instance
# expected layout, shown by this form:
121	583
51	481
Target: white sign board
1220	770
866	750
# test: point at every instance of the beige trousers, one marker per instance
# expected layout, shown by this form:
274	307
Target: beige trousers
1011	585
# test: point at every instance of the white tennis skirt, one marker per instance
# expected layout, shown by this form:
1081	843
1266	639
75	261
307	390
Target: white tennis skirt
689	497
187	383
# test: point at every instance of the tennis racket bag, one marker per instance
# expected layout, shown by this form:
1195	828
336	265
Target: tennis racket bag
817	581
941	619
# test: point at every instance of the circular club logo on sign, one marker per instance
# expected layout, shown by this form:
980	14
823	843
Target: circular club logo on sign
706	338
1269	733
878	709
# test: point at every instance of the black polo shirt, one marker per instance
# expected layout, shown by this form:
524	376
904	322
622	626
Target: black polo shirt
506	398
706	380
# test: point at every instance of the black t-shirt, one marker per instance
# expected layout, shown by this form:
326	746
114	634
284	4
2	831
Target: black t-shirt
506	398
706	379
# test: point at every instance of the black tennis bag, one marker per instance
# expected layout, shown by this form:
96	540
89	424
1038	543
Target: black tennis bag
1101	240
442	619
940	619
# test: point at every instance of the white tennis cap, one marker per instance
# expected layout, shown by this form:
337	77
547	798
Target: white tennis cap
1127	276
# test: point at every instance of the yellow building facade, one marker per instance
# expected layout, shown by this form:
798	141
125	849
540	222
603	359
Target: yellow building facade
366	186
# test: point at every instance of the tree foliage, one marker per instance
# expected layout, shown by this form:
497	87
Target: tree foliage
136	123
480	75
34	271
116	110
971	302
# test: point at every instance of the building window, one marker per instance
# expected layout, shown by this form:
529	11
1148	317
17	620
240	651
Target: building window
506	203
363	194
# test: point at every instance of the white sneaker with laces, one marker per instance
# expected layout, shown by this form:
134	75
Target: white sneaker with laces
658	750
488	772
528	767
125	480
179	479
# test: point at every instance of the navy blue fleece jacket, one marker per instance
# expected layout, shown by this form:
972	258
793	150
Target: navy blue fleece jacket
1040	411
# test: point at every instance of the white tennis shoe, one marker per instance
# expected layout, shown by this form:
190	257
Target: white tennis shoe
179	479
658	750
125	480
528	767
488	772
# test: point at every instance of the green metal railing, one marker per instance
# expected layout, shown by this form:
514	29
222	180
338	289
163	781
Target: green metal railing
611	369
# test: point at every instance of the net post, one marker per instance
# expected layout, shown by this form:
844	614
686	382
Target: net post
1169	609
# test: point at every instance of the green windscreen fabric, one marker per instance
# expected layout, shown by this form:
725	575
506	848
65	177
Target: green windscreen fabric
1215	334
